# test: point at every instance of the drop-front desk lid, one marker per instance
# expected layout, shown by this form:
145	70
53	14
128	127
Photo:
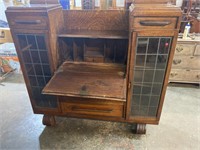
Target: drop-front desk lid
91	80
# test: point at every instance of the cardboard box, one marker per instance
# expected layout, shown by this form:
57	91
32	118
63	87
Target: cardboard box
5	35
8	53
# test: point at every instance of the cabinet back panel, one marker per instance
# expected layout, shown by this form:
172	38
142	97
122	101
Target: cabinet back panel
96	19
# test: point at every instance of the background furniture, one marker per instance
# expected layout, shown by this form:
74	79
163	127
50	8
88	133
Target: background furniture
98	64
186	62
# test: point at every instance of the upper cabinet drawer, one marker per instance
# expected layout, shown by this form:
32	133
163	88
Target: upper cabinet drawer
197	50
153	23
184	49
28	21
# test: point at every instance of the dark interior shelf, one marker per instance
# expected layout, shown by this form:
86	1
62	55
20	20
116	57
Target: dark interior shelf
95	34
91	80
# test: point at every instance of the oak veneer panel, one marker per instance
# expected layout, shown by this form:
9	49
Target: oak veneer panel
88	106
89	80
96	19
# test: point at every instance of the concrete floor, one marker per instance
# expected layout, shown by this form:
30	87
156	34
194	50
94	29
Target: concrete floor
179	127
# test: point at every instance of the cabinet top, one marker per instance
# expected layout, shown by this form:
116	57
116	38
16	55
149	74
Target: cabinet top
36	7
154	10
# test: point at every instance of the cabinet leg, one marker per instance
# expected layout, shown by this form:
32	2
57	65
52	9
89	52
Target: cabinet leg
139	128
49	120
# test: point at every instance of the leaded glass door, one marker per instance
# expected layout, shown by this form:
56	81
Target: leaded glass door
35	61
150	63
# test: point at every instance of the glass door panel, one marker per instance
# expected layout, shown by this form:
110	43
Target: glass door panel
35	59
151	58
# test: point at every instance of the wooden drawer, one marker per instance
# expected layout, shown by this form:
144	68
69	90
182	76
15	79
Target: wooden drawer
186	62
94	59
28	21
154	23
184	49
179	75
197	51
92	107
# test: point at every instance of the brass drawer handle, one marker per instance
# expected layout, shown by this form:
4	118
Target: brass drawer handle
173	74
28	21
179	49
91	109
198	76
154	23
176	61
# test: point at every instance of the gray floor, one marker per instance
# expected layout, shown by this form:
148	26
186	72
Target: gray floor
179	127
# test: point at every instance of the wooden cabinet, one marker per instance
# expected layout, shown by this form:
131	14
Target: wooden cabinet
99	64
31	31
186	62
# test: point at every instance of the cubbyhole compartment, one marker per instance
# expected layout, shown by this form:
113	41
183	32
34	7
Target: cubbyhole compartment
93	50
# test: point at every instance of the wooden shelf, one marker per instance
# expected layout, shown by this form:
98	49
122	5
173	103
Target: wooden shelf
89	80
95	34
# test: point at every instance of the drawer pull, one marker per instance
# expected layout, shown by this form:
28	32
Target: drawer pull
91	109
154	23
173	74
28	21
179	49
176	61
198	76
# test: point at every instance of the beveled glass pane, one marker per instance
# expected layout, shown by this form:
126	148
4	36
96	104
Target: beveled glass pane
137	88
140	61
33	80
161	61
44	57
35	56
152	111
26	57
46	69
143	111
150	61
138	75
146	88
148	75
135	110
164	45
31	41
29	69
22	41
136	100
156	89
41	81
145	100
41	42
159	76
154	101
142	45
153	45
38	69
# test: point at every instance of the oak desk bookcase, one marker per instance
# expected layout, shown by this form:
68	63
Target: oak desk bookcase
98	64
